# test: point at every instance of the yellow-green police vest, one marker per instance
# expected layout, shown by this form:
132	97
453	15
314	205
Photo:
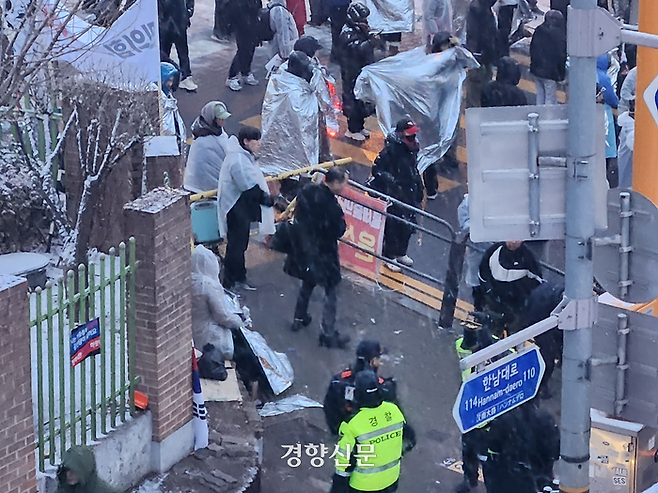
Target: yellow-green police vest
461	354
382	428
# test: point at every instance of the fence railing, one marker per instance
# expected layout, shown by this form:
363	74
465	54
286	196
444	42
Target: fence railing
75	404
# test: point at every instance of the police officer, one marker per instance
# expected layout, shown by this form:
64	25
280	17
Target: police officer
371	442
339	402
474	442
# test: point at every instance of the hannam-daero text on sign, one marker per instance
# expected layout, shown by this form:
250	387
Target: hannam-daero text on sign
501	387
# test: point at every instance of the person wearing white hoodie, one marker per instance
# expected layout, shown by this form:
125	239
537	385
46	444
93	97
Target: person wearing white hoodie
212	316
244	198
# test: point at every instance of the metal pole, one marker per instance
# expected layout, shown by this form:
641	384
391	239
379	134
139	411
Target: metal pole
622	365
533	171
625	248
575	422
453	277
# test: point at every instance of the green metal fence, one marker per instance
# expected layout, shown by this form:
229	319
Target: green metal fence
77	404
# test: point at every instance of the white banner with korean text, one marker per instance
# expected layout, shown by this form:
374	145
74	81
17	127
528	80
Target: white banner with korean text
126	55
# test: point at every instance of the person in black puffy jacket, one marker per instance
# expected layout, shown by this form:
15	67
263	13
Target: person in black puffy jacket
395	173
508	272
356	51
504	91
548	56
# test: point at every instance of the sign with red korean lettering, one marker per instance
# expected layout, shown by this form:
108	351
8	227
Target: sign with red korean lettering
365	227
85	341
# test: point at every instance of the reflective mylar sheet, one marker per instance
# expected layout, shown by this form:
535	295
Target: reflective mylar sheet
426	88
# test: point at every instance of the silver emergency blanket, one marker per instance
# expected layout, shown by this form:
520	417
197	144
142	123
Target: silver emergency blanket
275	365
172	122
426	88
390	16
290	121
287	405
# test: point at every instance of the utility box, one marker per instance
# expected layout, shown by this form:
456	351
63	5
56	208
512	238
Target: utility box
623	456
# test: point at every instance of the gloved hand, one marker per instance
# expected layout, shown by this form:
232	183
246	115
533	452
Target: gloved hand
339	484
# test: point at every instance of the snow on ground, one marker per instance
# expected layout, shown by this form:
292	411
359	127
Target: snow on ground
152	485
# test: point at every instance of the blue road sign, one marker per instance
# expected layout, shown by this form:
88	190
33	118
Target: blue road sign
499	388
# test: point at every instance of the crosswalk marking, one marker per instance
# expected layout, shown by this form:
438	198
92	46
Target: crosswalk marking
254	121
446	184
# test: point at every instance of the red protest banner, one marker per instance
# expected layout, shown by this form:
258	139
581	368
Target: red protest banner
365	227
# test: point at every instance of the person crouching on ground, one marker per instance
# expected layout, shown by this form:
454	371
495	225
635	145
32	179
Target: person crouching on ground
77	473
243	197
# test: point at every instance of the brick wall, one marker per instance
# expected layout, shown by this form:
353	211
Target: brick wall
160	222
17	462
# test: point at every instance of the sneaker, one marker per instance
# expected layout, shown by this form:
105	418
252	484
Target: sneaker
251	80
366	133
234	83
300	323
392	267
433	196
243	286
188	84
358	136
405	260
334	339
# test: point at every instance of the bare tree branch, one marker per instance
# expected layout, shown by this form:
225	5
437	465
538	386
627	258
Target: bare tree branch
62	135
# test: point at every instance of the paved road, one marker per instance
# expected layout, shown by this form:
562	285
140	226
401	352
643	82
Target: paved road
421	357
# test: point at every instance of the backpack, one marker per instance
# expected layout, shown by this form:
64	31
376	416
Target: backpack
265	32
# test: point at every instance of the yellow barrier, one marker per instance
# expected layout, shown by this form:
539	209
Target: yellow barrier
308	169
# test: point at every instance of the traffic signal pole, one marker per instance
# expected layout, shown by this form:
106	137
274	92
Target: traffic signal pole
575	419
645	153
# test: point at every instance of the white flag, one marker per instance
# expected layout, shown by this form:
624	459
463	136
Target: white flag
126	55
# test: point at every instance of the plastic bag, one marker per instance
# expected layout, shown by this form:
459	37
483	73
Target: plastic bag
211	364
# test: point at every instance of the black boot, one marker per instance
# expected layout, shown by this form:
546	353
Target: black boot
334	339
300	323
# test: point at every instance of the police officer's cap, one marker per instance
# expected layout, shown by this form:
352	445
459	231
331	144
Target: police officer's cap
369	349
367	382
366	389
